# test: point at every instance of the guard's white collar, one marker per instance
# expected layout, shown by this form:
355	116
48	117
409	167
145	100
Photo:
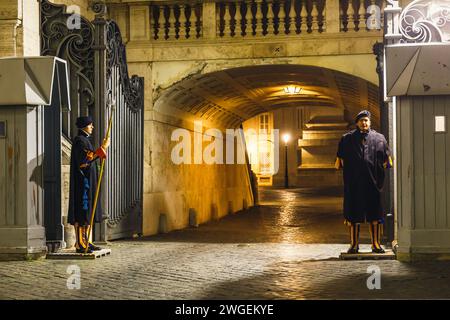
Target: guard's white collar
87	134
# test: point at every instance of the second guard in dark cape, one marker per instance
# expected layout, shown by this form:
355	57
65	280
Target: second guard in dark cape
83	183
364	155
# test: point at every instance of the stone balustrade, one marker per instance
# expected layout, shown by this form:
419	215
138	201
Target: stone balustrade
361	15
198	20
176	21
261	18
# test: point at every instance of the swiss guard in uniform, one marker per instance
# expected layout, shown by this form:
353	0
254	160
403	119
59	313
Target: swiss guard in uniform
83	183
364	155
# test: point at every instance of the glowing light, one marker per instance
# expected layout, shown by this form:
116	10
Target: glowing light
292	90
286	138
252	147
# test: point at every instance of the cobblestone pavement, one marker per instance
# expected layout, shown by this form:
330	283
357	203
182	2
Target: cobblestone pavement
284	255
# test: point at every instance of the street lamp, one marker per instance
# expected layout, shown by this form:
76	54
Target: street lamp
286	138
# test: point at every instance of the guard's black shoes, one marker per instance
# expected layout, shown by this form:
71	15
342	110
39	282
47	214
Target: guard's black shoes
378	250
93	247
353	250
82	250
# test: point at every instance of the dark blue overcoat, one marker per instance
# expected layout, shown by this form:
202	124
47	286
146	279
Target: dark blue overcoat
365	157
83	181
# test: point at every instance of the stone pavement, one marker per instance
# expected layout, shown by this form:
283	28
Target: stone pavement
280	257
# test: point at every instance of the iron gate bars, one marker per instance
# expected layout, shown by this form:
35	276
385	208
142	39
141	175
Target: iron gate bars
99	74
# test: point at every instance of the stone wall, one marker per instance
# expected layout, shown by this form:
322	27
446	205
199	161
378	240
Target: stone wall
83	6
212	191
19	28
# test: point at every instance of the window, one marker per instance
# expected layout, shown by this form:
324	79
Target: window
264	122
265	145
265	163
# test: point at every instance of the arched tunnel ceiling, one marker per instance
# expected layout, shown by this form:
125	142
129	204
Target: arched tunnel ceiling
227	98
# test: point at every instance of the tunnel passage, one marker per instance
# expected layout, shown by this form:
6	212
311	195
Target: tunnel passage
316	117
229	97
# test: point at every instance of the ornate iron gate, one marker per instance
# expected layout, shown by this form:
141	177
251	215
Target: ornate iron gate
99	76
125	165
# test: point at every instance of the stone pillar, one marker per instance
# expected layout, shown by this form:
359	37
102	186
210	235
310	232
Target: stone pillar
31	28
11	33
332	17
22	235
10	28
209	20
140	23
19	28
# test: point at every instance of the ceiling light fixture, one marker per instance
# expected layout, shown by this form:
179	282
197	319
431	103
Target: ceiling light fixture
292	90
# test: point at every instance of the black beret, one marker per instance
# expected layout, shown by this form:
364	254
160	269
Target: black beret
83	122
362	114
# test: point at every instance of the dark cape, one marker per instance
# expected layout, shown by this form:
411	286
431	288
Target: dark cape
83	181
364	157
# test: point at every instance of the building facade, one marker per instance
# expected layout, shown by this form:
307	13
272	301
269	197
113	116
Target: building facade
226	64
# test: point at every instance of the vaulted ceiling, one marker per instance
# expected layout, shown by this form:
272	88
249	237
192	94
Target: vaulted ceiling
229	97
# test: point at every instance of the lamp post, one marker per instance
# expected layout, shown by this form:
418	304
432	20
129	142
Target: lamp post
286	138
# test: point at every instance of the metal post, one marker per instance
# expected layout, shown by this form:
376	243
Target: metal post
100	117
386	130
286	177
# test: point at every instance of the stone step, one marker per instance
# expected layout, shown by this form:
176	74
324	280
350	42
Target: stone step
317	167
336	125
323	134
318	142
328	130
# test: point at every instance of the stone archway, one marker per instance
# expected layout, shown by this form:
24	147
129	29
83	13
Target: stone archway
225	99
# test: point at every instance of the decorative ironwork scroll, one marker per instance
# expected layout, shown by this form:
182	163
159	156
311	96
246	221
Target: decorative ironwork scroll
116	58
75	46
425	21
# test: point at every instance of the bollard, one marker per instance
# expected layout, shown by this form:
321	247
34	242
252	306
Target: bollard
214	212
193	218
230	207
163	223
